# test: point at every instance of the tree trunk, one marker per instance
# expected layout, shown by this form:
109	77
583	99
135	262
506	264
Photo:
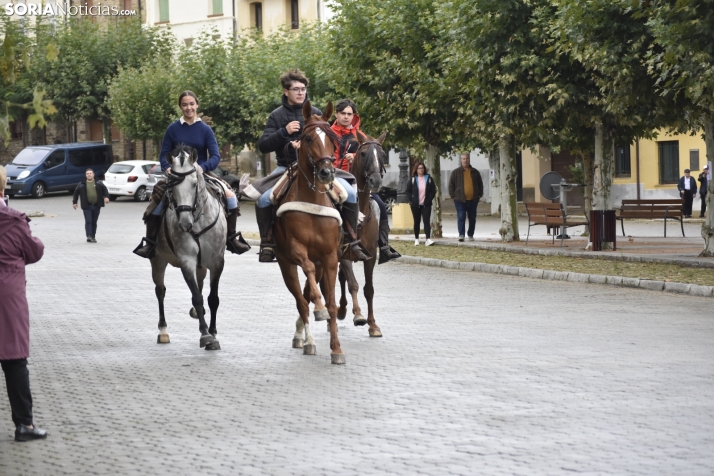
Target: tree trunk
434	168
509	204
603	171
603	168
708	225
107	130
494	164
588	174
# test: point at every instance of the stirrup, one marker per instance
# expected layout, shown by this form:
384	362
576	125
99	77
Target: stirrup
356	251
267	253
387	253
146	249
240	247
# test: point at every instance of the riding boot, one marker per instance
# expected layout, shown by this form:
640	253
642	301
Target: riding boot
147	247
386	252
354	251
264	217
235	243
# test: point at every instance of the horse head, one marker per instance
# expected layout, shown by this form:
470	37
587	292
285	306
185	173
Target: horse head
318	144
368	165
183	184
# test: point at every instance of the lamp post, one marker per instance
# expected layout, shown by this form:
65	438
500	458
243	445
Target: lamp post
403	176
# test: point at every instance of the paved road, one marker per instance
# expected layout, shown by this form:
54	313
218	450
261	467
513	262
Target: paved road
476	373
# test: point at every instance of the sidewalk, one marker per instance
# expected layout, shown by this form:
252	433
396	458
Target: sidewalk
644	241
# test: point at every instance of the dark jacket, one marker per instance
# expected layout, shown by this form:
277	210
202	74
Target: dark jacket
703	184
692	184
456	185
413	191
17	248
81	191
275	136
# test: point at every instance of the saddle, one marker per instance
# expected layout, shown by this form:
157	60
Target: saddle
337	192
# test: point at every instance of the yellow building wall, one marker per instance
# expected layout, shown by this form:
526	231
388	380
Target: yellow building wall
649	160
533	166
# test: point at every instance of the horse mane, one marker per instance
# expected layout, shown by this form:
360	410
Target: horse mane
180	149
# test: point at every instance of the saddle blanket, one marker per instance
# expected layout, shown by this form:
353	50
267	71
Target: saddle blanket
310	208
260	186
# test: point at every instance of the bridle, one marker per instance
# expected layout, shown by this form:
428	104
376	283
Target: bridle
176	178
380	162
327	130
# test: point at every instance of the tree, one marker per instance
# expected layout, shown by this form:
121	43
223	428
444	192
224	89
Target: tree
386	61
685	67
89	56
21	99
142	101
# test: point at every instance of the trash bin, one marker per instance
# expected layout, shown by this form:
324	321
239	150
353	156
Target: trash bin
603	228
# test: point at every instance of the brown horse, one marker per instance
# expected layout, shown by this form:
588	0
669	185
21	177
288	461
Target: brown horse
307	232
367	168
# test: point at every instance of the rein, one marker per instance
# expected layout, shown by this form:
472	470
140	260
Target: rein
177	178
327	130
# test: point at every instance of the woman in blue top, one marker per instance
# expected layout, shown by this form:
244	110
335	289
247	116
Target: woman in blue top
192	131
421	191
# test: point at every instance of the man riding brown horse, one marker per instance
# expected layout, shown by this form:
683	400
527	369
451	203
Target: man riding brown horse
282	135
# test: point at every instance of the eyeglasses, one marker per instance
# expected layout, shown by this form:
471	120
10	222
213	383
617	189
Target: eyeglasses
298	90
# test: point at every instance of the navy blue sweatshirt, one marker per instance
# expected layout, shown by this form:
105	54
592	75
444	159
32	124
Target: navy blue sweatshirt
199	136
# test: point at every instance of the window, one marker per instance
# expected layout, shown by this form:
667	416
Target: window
81	157
127	4
147	168
256	15
694	159
669	162
294	15
163	10
622	161
120	169
188	41
56	158
215	7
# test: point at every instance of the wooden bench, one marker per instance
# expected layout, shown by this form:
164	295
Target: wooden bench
551	215
650	209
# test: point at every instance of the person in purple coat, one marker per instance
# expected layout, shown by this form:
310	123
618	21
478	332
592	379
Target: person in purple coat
17	248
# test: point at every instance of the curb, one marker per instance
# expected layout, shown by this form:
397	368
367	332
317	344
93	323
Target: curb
667	287
706	263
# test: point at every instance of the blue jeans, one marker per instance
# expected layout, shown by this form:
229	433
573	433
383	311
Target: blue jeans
264	200
91	215
462	210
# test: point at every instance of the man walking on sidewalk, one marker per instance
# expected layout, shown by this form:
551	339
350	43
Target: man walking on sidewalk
687	187
466	189
703	189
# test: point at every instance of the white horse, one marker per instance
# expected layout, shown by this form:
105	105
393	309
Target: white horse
192	237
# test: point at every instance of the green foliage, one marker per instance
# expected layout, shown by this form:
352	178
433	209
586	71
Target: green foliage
88	56
20	97
142	101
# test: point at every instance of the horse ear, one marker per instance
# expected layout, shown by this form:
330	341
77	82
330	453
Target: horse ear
361	137
327	115
381	138
307	110
194	156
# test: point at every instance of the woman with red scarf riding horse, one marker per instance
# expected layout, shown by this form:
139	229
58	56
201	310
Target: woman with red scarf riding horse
346	127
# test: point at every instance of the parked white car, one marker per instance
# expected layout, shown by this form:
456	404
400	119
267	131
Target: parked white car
129	179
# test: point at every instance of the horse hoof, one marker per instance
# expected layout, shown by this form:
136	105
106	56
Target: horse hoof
297	343
163	339
193	313
309	349
359	320
213	346
205	340
321	315
338	359
341	314
375	333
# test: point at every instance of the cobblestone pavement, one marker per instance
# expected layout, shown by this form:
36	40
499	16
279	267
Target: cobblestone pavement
476	373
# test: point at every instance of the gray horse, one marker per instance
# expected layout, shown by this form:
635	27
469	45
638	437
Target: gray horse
192	237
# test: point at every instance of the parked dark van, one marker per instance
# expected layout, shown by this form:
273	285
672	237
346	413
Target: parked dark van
40	169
